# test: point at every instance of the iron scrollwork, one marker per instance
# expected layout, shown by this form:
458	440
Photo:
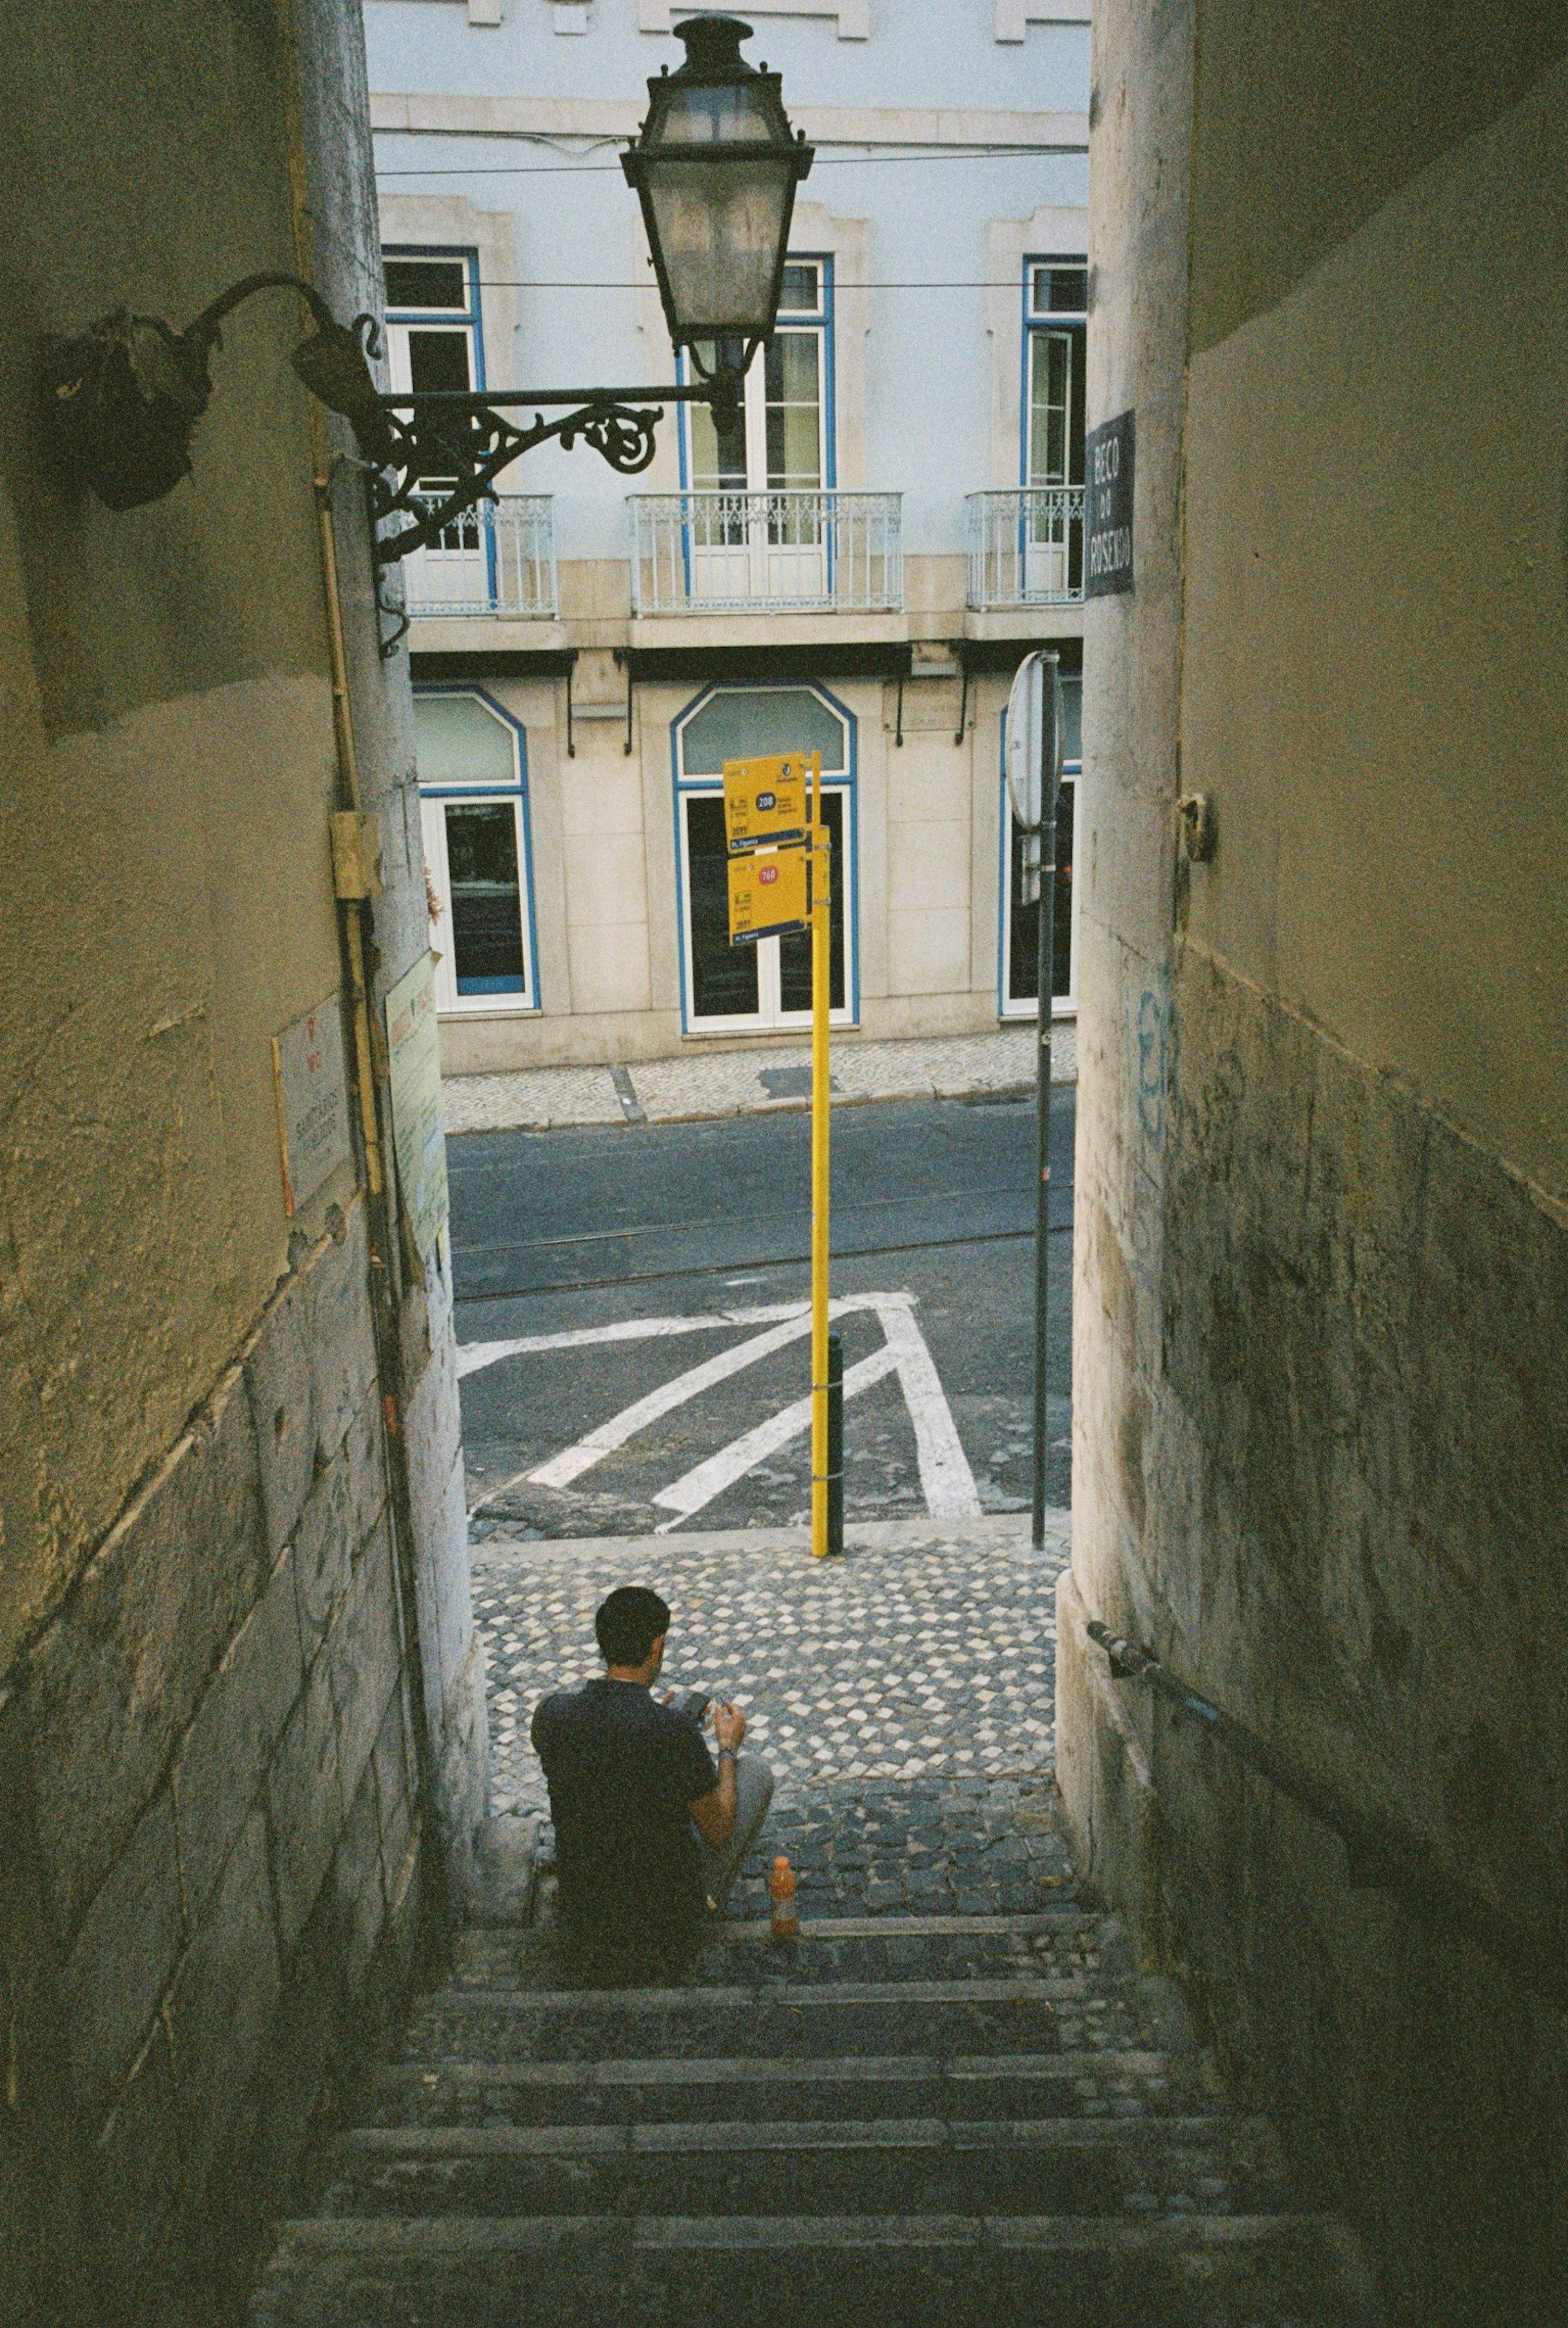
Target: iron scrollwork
445	449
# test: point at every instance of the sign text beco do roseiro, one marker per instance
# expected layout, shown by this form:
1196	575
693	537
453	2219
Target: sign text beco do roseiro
1108	508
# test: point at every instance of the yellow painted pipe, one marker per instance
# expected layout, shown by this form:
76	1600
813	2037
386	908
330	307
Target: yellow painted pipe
821	969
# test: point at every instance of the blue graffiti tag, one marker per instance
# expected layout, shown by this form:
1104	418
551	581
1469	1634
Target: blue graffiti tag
1153	1060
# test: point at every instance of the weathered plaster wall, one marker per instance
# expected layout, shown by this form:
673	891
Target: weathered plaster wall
168	769
240	1687
1378	634
1322	1248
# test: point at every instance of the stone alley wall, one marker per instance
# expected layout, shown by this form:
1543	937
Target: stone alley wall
242	1746
1320	1413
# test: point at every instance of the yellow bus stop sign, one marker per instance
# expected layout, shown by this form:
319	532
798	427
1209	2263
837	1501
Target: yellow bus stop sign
767	893
764	800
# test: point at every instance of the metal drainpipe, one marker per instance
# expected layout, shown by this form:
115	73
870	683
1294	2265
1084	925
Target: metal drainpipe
357	935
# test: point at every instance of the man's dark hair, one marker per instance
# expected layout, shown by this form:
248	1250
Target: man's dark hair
629	1623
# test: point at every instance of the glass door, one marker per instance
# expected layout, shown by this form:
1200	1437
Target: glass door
473	819
767	537
1054	433
768	985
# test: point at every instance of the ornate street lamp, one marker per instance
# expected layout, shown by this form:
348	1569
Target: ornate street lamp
715	165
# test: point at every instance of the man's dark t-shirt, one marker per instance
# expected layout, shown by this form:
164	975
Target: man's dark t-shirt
624	1772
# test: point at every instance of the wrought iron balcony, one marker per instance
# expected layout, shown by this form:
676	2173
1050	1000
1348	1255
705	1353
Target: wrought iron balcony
1025	549
708	553
497	557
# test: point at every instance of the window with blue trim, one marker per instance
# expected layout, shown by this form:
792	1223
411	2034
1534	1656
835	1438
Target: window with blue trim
1020	923
433	337
433	328
473	812
1055	323
781	440
726	986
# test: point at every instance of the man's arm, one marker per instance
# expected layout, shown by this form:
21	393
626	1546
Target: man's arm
713	1814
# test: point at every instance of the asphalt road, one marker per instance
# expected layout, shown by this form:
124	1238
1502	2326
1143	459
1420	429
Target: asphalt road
692	1241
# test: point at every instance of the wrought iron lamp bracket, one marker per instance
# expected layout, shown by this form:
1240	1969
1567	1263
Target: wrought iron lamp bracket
466	440
122	400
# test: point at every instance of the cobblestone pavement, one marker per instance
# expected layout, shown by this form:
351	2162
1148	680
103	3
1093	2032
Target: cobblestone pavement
902	1694
714	1082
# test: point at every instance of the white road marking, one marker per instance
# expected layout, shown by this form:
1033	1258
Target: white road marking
472	1355
705	1480
561	1470
946	1478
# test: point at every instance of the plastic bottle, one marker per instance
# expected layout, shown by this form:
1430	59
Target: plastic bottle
782	1885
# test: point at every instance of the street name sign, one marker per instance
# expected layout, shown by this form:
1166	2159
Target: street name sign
764	800
767	893
1108	508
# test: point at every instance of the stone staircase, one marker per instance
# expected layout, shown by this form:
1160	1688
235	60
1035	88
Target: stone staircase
895	2120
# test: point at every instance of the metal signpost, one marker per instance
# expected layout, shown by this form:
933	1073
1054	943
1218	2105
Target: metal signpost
781	880
1034	777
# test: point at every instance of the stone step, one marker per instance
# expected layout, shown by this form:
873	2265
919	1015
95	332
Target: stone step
730	2089
738	1931
834	1948
779	2017
873	2166
854	2271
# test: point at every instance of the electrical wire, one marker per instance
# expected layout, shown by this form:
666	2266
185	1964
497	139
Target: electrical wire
613	169
963	283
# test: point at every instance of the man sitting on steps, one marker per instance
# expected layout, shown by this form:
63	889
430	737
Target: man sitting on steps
646	1829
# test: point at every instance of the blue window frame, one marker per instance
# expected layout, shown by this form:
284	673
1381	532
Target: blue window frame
473	766
727	989
435	340
1056	293
783	439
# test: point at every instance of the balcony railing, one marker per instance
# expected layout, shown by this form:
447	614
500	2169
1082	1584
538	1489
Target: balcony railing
1027	548
495	559
707	553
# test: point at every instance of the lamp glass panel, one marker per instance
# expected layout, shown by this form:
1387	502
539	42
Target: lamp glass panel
719	227
718	114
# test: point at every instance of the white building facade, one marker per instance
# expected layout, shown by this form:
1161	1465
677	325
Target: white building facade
858	568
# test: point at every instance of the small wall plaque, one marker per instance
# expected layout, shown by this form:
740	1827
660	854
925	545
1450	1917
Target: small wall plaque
414	1068
310	1077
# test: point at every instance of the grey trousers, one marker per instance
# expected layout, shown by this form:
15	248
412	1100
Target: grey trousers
753	1794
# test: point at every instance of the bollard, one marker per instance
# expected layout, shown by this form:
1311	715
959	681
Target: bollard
835	1442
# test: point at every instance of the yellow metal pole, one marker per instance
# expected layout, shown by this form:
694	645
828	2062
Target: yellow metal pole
821	962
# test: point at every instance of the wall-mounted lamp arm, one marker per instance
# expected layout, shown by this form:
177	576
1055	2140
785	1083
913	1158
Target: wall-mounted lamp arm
463	438
123	398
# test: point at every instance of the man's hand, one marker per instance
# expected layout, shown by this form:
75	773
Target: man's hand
714	1814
